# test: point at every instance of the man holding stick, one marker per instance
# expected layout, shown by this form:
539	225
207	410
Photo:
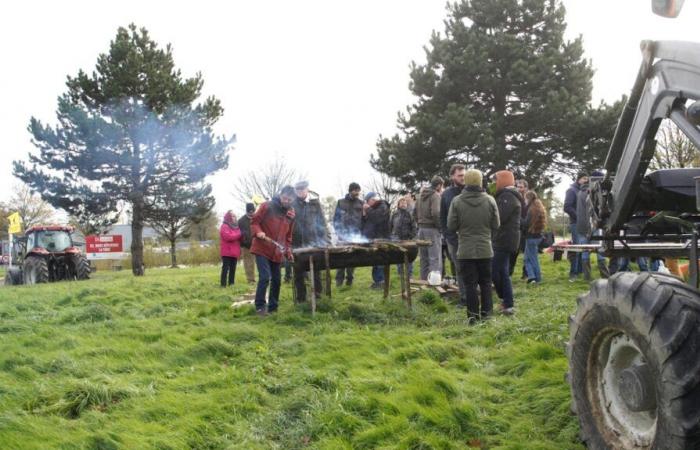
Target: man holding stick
272	226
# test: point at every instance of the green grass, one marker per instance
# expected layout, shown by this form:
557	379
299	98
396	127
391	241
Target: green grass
163	362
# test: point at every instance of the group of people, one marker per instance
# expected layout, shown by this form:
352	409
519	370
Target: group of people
482	235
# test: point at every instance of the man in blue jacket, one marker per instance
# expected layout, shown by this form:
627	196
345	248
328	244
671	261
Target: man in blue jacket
570	209
457	172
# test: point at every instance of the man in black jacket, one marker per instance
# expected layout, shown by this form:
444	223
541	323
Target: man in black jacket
457	172
375	225
347	222
570	203
246	242
522	186
310	230
507	238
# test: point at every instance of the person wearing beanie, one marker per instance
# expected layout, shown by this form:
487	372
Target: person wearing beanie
246	242
347	223
457	177
507	238
310	230
570	202
375	225
427	215
230	248
473	216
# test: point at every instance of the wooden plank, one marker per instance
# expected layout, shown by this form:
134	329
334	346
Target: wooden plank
440	290
420	282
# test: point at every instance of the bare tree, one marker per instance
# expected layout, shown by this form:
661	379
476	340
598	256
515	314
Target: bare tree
387	187
328	203
673	149
267	180
31	208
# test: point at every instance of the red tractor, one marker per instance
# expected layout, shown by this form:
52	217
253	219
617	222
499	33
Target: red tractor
46	254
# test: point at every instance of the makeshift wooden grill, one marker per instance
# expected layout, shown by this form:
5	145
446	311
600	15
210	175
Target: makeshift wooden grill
378	252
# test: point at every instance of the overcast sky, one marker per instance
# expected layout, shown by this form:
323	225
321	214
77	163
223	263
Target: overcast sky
314	82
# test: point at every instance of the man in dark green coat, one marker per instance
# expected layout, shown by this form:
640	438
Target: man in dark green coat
473	215
310	230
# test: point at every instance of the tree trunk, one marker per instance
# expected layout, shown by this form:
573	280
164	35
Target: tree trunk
137	267
173	254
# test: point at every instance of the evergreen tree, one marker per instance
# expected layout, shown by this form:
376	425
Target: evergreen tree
176	209
124	132
501	89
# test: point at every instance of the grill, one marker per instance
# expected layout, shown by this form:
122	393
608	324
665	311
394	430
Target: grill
379	252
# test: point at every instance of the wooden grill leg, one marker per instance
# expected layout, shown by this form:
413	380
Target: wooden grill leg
387	275
313	285
407	276
328	274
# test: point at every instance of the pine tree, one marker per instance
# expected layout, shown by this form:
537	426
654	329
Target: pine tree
501	89
124	132
173	213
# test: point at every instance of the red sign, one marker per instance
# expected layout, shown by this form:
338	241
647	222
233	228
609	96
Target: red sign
104	244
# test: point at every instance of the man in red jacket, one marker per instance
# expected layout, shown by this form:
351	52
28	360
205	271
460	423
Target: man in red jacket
272	226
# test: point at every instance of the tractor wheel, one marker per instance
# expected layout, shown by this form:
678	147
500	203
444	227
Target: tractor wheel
81	266
13	276
633	363
36	270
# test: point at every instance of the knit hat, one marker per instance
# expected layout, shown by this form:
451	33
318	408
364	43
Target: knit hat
370	196
597	173
249	208
504	179
473	177
301	185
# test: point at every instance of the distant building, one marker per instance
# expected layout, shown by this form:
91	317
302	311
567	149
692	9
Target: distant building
149	234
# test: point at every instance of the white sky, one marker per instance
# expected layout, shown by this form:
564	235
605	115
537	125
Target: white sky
313	81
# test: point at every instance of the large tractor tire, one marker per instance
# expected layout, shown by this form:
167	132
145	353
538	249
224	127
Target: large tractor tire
634	363
81	265
35	270
13	276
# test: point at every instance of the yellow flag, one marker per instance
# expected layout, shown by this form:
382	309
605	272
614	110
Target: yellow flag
258	200
15	223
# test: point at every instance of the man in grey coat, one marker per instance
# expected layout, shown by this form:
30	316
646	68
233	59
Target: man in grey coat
473	215
427	215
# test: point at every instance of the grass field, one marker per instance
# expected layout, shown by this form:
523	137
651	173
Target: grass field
163	362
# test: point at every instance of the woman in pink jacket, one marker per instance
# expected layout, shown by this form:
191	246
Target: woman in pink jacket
230	248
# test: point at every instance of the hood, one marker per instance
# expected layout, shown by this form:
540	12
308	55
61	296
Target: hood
504	179
311	197
228	217
575	186
511	190
426	193
473	198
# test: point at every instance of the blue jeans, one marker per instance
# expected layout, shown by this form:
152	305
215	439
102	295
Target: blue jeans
576	267
532	262
269	273
501	277
399	268
378	274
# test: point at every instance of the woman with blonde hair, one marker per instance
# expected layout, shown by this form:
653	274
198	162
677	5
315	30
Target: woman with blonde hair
535	225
